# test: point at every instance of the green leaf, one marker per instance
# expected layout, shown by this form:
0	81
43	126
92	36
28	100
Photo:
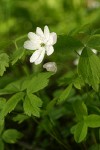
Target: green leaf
94	42
32	105
1	126
11	104
80	132
80	109
92	121
38	82
67	43
89	68
16	86
64	95
4	62
11	136
1	145
2	102
20	118
18	54
78	83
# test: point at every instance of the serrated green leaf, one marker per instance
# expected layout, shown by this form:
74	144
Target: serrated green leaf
18	54
89	68
20	118
94	42
80	132
80	109
11	136
4	62
64	94
11	104
15	86
92	121
1	145
32	105
38	82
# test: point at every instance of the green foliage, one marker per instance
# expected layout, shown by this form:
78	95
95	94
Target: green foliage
80	132
32	105
11	104
42	105
67	43
4	62
92	120
64	94
88	68
1	144
20	118
94	42
11	136
80	109
17	55
2	102
39	82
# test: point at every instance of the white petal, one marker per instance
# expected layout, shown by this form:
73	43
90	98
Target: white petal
41	56
35	56
50	66
30	45
46	32
32	36
49	50
94	51
39	32
54	36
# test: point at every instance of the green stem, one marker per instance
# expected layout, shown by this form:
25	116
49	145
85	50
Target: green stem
54	136
21	37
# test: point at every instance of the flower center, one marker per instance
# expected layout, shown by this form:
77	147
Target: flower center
42	44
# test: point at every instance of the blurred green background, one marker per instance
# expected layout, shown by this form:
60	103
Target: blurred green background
18	17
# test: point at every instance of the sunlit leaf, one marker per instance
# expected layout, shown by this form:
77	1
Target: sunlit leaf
92	120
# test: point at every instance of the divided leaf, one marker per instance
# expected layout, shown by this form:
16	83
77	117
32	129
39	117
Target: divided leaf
11	136
14	87
4	62
89	68
38	82
20	118
32	105
11	104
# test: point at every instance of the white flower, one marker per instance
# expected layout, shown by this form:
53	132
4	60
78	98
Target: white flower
42	42
50	66
76	61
